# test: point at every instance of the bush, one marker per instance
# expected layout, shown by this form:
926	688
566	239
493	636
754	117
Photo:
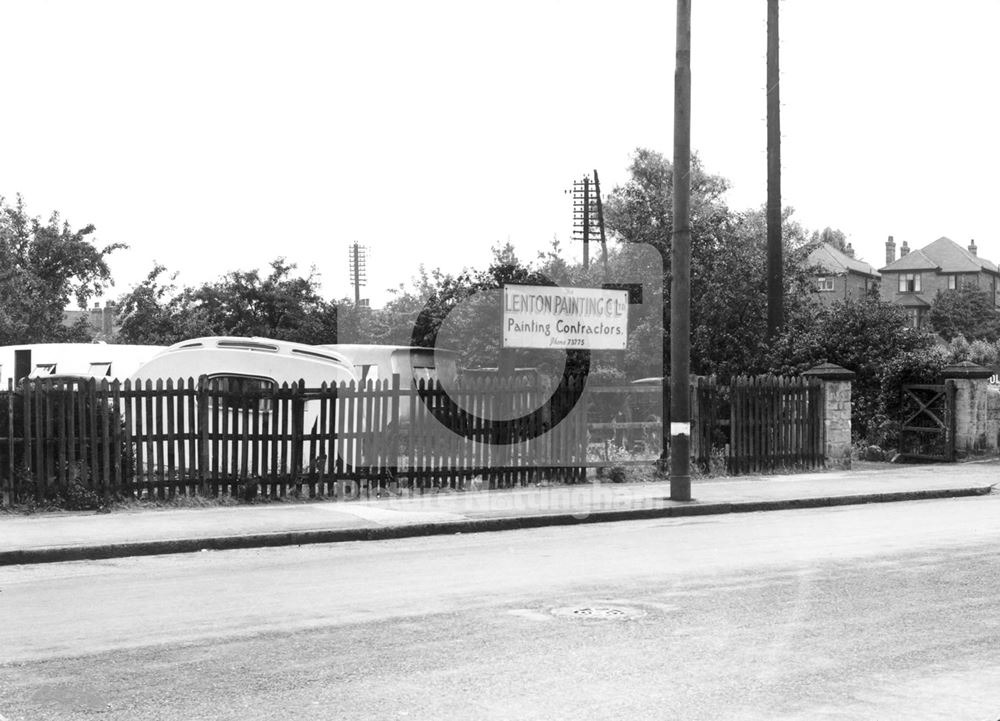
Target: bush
617	474
79	498
870	337
865	452
964	313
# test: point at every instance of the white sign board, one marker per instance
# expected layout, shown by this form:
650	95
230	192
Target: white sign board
541	316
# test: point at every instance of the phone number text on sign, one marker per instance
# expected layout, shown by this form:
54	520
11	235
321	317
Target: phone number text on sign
539	316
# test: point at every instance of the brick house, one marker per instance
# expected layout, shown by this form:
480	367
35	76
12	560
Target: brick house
913	279
104	322
840	275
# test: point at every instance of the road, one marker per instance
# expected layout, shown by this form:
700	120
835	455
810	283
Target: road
864	612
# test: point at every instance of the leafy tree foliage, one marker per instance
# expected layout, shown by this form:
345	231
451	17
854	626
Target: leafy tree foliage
868	336
44	266
967	312
728	260
462	311
154	312
278	305
828	235
641	211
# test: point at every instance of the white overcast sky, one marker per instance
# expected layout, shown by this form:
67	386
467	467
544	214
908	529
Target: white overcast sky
216	136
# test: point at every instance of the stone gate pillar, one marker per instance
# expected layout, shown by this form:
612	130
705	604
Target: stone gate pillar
836	412
971	407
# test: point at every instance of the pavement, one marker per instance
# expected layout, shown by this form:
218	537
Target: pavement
53	537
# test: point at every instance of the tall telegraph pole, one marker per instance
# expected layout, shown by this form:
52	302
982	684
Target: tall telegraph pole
680	269
588	217
775	284
358	269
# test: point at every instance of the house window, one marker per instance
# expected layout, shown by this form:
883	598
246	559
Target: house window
952	282
824	283
909	282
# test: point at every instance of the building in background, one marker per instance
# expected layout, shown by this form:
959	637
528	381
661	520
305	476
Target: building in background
102	321
840	275
913	279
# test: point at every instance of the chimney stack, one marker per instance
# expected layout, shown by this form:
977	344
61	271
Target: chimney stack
849	250
972	246
890	250
903	249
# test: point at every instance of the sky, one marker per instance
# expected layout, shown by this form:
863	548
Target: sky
215	136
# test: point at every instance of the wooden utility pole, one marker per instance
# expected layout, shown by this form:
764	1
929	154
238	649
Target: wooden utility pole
586	223
680	271
358	269
600	223
588	217
775	279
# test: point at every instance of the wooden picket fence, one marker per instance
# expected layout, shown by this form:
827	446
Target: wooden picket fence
751	425
160	439
166	438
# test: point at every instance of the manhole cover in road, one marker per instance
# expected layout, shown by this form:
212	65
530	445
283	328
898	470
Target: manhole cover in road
603	613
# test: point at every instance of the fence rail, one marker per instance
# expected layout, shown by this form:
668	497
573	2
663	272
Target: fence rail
160	439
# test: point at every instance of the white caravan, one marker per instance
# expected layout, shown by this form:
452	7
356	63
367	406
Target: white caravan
412	363
233	364
103	361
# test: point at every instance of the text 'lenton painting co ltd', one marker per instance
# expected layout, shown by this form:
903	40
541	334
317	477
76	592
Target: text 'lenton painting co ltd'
555	317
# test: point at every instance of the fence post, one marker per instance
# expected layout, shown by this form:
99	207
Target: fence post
298	430
971	408
836	412
11	469
203	439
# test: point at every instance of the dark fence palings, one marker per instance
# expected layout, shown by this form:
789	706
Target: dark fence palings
775	423
158	439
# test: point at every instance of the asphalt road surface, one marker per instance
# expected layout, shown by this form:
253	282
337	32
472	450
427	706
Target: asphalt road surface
871	613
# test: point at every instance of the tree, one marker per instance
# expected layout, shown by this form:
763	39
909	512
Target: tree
967	312
462	311
641	210
728	261
44	266
154	312
729	336
868	336
243	303
828	235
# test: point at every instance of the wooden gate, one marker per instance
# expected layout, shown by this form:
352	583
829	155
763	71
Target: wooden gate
927	422
775	423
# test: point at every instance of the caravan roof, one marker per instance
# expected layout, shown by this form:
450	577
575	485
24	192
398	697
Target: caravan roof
281	361
375	362
108	361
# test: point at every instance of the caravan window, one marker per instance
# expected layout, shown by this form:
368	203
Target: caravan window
44	369
366	372
99	369
421	364
424	373
240	393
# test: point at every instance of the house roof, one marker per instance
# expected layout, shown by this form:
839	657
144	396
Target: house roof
914	260
834	261
913	301
943	255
